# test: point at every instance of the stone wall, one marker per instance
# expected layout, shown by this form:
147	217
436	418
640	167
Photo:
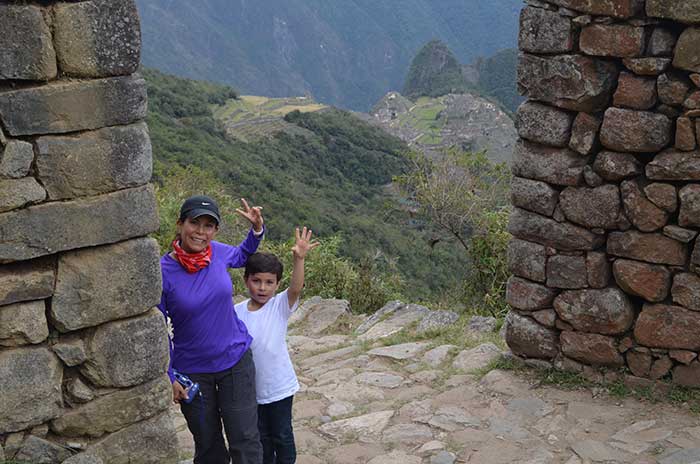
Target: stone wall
605	256
83	352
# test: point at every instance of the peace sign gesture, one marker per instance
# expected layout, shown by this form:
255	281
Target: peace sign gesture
252	214
303	243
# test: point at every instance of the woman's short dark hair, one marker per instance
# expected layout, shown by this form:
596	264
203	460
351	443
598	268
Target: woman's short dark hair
263	262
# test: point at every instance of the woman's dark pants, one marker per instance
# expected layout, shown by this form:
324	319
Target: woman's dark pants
276	434
229	397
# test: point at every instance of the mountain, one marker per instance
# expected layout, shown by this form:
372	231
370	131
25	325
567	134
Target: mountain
347	53
431	125
316	166
434	72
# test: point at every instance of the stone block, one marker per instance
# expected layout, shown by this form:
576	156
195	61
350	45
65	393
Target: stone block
675	165
526	337
97	38
639	363
647	66
544	124
127	352
97	285
591	348
115	411
69	106
543	31
592	207
685	135
662	195
16	193
695	258
688	376
685	11
16	159
71	350
615	8
23	323
660	368
26	49
527	259
597	269
686	290
635	92
584	133
689	215
661	42
559	166
527	296
149	442
652	248
605	311
666	326
533	195
27	280
680	234
649	281
672	88
96	162
635	131
566	272
687	53
618	40
692	102
573	82
546	317
682	356
38	450
53	227
39	385
641	212
562	236
78	392
591	177
615	166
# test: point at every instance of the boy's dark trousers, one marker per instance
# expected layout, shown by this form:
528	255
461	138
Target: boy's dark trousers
276	433
227	396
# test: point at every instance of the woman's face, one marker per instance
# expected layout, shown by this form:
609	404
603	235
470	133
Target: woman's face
195	234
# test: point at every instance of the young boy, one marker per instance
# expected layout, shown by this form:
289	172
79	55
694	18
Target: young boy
265	315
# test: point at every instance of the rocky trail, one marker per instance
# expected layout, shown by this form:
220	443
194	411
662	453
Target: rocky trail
370	394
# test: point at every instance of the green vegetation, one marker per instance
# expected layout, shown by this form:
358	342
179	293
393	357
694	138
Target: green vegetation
333	178
434	72
465	197
498	76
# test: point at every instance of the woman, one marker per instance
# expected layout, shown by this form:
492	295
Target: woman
210	344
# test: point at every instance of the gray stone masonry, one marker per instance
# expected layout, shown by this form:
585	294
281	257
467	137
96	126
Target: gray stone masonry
606	189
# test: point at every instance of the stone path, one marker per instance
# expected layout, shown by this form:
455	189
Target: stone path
416	403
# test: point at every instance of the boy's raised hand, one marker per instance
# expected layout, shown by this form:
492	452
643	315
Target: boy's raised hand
252	214
303	243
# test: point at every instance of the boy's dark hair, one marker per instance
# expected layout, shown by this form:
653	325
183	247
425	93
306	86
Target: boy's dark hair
263	262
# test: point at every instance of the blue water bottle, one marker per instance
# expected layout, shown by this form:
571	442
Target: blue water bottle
192	388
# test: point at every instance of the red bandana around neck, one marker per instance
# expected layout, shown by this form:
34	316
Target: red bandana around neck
192	262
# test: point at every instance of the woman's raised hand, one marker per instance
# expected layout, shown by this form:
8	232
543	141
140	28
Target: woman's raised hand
252	214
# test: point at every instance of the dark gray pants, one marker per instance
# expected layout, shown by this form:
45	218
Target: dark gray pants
228	397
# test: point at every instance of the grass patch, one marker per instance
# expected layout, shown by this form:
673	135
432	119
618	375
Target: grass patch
562	379
503	363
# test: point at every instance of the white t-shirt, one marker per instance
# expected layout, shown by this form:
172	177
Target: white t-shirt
274	374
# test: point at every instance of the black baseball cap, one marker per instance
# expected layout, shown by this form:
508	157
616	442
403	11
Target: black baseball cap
200	205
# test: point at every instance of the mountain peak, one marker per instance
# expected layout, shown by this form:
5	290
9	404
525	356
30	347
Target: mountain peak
434	72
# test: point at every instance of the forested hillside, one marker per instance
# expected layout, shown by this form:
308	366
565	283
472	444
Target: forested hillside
334	179
346	53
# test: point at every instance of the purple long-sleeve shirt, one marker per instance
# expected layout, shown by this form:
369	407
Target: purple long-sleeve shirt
207	336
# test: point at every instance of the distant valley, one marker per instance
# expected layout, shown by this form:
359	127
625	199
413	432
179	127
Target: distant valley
348	54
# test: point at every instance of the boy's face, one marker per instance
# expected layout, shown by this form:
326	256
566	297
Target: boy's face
262	286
